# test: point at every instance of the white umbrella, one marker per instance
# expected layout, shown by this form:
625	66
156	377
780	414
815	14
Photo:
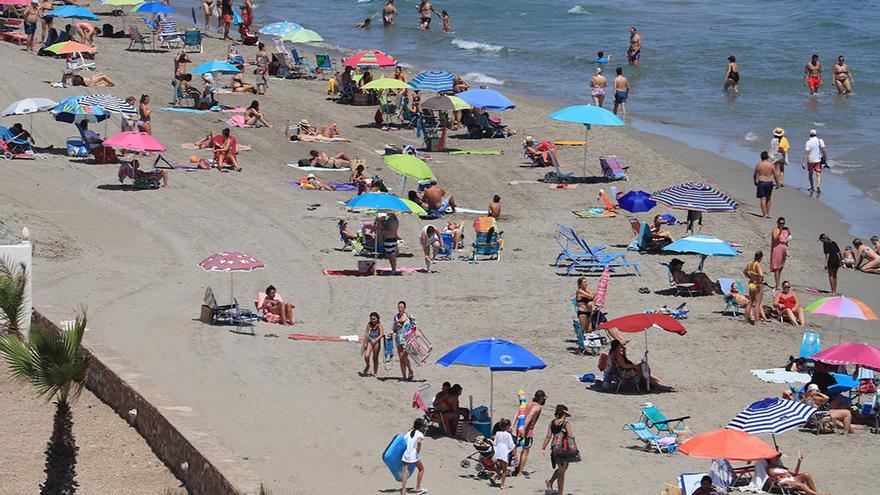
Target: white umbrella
29	106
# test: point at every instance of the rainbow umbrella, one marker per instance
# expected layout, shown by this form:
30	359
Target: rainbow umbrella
70	110
68	47
842	307
370	58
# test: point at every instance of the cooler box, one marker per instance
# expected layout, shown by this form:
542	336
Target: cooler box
76	148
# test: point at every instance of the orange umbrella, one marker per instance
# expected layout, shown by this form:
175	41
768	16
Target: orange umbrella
733	445
67	47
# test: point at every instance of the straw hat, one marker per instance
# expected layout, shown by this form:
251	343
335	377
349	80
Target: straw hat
779	132
304	122
529	139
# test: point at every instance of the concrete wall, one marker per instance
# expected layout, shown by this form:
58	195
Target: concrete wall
14	253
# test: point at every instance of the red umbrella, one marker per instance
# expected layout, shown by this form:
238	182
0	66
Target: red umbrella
641	322
864	355
230	261
733	445
370	58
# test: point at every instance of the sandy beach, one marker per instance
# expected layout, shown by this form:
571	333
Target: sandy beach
297	413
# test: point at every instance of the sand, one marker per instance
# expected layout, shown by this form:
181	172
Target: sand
297	413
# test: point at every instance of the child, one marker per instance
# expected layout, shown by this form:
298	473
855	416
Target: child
601	59
503	445
849	259
446	24
412	455
367	24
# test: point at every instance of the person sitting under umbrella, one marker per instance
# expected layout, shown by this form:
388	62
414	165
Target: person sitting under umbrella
792	479
843	416
619	361
539	152
657	232
92	139
702	283
449	409
21	139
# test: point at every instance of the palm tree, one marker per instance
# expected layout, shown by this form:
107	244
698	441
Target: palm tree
13	278
55	366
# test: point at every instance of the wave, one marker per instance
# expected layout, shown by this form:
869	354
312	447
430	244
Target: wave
577	9
364	1
752	136
475	45
481	78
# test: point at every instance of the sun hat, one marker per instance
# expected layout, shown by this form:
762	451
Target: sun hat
812	387
779	132
304	122
529	139
814	132
311	176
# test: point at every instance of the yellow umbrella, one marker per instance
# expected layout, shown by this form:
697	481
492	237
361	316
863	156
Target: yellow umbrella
66	47
384	83
458	103
300	36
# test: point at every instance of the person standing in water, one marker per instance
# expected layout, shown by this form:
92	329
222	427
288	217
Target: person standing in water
426	10
813	74
778	152
634	52
732	77
598	86
389	11
815	156
447	24
843	78
621	93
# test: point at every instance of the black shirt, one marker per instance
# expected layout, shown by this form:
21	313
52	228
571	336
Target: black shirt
833	251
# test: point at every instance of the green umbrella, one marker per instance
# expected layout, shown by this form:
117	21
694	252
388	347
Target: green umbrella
414	208
458	103
409	166
386	83
300	36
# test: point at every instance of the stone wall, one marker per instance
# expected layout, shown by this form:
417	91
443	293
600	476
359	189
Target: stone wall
169	428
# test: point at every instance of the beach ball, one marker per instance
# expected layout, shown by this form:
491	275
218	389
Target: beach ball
194	159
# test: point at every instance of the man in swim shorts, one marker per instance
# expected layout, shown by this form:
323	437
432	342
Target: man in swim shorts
815	155
813	74
389	11
426	10
621	92
31	15
387	228
634	52
764	177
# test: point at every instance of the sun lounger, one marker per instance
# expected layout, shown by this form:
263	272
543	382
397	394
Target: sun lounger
652	441
579	255
653	417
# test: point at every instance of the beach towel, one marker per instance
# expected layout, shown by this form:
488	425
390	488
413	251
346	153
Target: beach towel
595	213
238	121
379	271
340	186
325	338
183	110
518	182
476	152
779	375
569	143
469	210
562	186
318	169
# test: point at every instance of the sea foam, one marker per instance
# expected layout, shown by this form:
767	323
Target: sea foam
577	9
480	78
475	45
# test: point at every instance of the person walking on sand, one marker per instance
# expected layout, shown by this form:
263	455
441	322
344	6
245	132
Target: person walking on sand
430	241
754	272
813	74
426	10
634	52
208	8
778	151
815	157
389	11
373	337
731	79
843	78
532	412
412	456
30	17
598	86
402	321
764	176
621	93
562	451
778	249
832	260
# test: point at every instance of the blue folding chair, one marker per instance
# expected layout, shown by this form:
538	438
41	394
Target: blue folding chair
589	258
652	441
810	344
726	284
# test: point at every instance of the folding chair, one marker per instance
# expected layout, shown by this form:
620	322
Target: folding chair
589	344
423	399
689	482
169	35
587	257
192	39
726	284
76	62
487	240
653	417
324	64
301	65
683	288
652	441
612	169
138	39
230	314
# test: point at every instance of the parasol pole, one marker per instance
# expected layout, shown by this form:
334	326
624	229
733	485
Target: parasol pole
775	446
648	378
231	287
491	395
586	133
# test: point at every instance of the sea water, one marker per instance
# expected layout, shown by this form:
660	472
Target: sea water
546	48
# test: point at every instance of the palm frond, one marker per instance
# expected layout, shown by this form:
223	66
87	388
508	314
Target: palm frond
18	357
13	280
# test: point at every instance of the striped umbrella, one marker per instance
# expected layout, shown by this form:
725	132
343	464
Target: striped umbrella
433	80
370	58
109	103
771	415
695	196
279	28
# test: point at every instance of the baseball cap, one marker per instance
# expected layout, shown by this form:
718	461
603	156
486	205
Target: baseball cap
311	176
813	132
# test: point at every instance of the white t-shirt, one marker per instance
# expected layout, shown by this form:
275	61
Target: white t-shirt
503	445
412	447
814	149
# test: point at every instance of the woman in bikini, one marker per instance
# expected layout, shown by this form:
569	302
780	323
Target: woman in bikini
253	115
755	273
144	125
320	159
795	480
402	321
584	299
788	305
731	78
208	7
180	65
86	33
239	86
372	344
98	80
867	260
276	306
598	86
843	78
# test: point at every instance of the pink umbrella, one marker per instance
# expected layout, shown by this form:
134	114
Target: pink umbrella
14	2
864	355
229	261
135	141
842	307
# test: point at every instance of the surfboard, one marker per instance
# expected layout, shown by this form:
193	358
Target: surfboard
392	457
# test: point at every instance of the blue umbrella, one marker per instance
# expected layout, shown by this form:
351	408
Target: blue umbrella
704	245
383	202
433	80
771	415
486	99
279	28
153	8
70	110
636	202
216	66
73	12
695	196
588	115
495	354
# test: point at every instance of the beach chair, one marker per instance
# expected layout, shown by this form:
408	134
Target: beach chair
689	482
810	344
653	417
557	176
612	169
570	247
301	65
324	65
433	134
230	314
651	441
192	40
14	147
406	116
820	422
585	257
76	62
487	239
126	171
729	305
138	39
646	242
423	399
182	96
169	35
589	344
680	289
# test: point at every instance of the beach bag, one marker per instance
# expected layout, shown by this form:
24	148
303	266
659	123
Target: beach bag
204	164
564	445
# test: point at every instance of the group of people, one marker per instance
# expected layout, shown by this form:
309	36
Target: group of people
426	11
375	335
769	173
226	15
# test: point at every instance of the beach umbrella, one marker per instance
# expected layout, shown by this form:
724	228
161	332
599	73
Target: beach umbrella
73	12
408	166
384	202
733	445
486	99
864	355
641	322
302	36
704	245
279	28
445	103
68	47
588	116
695	196
135	141
70	110
216	66
370	58
636	202
384	83
773	416
495	354
231	261
120	3
14	2
841	307
29	106
109	103
433	80
153	8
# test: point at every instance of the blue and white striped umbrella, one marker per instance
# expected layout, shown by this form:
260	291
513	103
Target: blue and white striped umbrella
110	103
695	196
771	415
279	28
433	80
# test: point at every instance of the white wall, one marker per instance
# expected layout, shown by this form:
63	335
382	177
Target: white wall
15	254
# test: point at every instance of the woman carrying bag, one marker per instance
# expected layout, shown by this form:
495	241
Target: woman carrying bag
563	449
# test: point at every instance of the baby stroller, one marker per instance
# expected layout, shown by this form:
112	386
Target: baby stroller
482	456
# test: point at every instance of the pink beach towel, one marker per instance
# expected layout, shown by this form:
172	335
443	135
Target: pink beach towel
238	121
